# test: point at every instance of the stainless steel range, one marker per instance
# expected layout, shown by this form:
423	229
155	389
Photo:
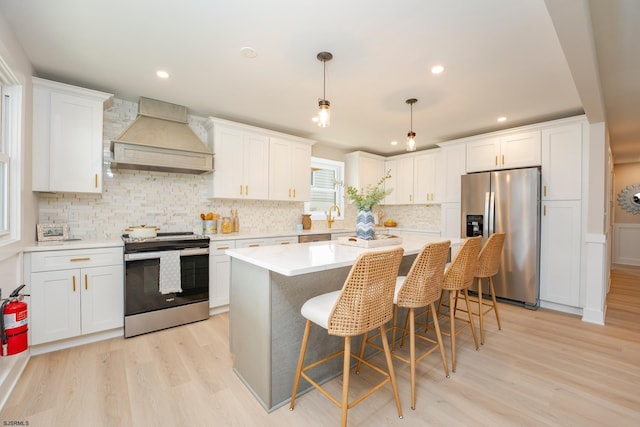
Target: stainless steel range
166	281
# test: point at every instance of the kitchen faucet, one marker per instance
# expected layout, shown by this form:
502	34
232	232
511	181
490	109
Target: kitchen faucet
329	218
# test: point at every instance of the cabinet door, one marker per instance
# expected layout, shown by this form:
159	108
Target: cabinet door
280	161
391	166
450	224
520	149
256	166
449	169
219	273
483	154
301	171
76	144
227	176
404	184
562	162
102	300
424	175
55	305
560	252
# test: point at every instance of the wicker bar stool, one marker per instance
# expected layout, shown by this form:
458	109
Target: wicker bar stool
458	278
364	304
487	267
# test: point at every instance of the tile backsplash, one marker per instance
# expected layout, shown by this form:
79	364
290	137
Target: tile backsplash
174	202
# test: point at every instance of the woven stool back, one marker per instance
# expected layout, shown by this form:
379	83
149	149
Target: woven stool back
423	284
366	299
490	256
460	273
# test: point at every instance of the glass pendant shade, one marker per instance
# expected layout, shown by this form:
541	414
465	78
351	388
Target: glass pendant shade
324	113
411	141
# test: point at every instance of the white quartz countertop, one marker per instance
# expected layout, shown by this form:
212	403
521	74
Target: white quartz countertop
62	245
292	260
267	234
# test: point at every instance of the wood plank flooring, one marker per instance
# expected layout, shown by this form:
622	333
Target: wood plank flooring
543	368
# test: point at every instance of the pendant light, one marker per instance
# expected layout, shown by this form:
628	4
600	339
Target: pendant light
411	136
324	114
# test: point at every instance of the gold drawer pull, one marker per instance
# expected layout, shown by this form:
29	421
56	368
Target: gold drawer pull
254	245
284	243
219	248
80	259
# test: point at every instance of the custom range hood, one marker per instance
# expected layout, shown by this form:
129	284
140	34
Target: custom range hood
160	140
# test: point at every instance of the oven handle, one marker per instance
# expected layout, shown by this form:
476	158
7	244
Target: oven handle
156	255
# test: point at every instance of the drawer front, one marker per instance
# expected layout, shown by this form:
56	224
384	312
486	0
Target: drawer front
62	260
281	240
218	247
251	243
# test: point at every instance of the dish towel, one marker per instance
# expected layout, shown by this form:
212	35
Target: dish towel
170	272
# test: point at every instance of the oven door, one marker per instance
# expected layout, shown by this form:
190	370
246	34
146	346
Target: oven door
142	281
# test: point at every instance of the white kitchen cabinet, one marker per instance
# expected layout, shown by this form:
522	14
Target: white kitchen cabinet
289	170
450	220
405	182
219	272
75	292
67	138
560	244
425	178
363	169
449	168
507	151
562	162
241	162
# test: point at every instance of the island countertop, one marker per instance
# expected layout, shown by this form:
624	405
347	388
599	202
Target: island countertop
293	260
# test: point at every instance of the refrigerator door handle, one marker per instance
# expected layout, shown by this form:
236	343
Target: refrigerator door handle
485	226
492	211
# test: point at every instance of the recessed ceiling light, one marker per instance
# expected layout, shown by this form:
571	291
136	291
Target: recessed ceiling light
394	142
315	119
248	52
162	74
502	119
437	69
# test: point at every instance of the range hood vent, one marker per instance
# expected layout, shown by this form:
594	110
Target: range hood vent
160	140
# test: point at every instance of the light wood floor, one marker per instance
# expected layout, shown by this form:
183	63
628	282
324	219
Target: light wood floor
543	368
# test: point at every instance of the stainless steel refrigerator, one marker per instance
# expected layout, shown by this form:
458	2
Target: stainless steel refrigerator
507	201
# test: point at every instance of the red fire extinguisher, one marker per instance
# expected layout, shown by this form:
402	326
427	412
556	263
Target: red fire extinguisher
14	324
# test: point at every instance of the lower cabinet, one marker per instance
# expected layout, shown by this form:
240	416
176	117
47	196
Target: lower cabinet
75	292
560	244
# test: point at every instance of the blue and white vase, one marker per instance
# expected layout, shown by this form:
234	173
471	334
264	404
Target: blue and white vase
365	225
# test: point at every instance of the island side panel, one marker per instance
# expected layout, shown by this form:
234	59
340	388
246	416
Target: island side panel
249	327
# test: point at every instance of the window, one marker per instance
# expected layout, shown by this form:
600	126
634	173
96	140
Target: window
10	108
324	192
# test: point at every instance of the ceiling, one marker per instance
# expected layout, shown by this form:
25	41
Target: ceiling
527	60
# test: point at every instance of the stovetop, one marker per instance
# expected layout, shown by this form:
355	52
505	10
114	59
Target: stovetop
166	242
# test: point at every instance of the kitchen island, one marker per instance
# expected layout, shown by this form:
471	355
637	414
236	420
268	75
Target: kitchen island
269	285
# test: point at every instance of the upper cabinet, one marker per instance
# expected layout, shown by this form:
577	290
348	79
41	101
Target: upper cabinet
425	178
508	151
562	162
67	138
449	168
258	164
363	169
289	170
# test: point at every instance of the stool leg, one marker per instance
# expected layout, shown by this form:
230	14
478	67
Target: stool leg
303	349
452	319
345	379
440	344
480	311
363	345
412	355
392	374
473	327
495	304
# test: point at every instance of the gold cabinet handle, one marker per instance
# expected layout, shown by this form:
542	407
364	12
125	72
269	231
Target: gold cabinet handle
503	160
545	210
246	190
241	189
219	248
496	160
86	282
289	192
284	243
96	180
73	280
545	191
80	259
294	193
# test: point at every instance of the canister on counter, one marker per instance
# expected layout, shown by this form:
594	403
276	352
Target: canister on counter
226	226
209	226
